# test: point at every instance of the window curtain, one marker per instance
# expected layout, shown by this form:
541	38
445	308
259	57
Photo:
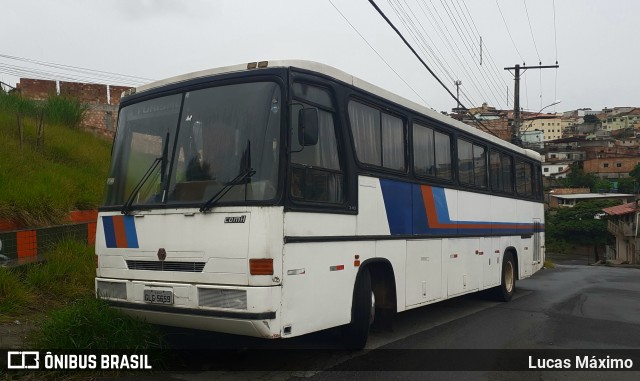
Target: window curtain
365	127
392	142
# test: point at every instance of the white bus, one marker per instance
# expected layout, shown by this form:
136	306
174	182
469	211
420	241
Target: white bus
274	199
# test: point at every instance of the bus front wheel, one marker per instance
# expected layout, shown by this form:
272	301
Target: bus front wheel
356	333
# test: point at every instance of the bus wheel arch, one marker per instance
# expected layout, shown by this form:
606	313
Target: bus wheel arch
514	253
508	276
374	300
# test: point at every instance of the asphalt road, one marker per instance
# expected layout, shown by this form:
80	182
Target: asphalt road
569	307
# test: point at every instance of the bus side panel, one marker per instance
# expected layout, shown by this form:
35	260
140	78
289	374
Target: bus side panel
318	283
372	215
505	230
305	224
423	271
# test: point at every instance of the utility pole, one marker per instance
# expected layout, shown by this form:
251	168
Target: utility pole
516	95
458	83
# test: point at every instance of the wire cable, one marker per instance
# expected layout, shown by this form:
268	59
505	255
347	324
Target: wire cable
373	3
454	48
497	73
470	46
73	68
531	30
509	32
378	54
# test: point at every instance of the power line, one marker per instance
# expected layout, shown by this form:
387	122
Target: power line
470	20
531	30
416	35
378	54
555	32
469	44
454	48
509	32
73	68
21	71
555	40
373	3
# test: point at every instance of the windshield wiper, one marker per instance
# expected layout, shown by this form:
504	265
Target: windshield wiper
243	175
237	180
127	207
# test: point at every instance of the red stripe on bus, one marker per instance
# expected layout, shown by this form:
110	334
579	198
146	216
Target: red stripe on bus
121	234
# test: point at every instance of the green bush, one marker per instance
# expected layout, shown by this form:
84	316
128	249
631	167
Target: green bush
64	111
68	272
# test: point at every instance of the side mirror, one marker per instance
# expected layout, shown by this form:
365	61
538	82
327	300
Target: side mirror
308	127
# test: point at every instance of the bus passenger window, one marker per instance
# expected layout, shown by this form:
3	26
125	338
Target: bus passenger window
431	152
378	137
524	184
472	164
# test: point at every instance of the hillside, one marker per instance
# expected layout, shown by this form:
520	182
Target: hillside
39	186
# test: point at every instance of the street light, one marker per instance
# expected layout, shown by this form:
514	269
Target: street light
549	105
539	111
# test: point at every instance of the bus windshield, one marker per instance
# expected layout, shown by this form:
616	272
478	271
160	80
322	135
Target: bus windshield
212	134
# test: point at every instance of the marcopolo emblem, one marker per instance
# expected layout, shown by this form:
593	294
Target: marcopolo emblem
162	254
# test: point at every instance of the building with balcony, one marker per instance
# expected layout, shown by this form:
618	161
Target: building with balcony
623	224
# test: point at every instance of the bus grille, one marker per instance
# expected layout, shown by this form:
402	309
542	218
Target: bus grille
190	267
222	298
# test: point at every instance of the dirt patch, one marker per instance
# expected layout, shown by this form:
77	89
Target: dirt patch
13	335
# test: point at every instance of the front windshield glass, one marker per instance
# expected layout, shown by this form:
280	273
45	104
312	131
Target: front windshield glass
222	132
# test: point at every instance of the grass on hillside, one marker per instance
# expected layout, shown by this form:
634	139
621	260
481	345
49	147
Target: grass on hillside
39	188
58	295
67	273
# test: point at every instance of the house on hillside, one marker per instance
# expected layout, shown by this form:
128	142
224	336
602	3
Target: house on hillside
570	200
611	167
622	120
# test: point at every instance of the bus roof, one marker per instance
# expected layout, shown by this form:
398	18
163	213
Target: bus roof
347	78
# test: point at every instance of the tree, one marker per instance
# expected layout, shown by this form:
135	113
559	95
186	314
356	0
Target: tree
578	179
592	119
635	173
627	185
579	225
601	186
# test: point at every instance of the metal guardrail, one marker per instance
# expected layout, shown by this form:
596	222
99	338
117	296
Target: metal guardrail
29	245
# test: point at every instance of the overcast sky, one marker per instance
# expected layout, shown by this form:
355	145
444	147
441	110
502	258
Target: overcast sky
597	43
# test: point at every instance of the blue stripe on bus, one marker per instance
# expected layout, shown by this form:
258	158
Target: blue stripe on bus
130	229
398	206
407	213
109	232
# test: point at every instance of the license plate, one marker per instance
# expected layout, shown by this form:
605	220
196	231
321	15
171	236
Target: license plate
158	296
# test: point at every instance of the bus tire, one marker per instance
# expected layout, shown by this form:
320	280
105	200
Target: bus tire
507	287
356	333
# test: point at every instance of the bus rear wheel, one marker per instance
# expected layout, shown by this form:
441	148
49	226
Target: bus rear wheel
507	287
356	333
